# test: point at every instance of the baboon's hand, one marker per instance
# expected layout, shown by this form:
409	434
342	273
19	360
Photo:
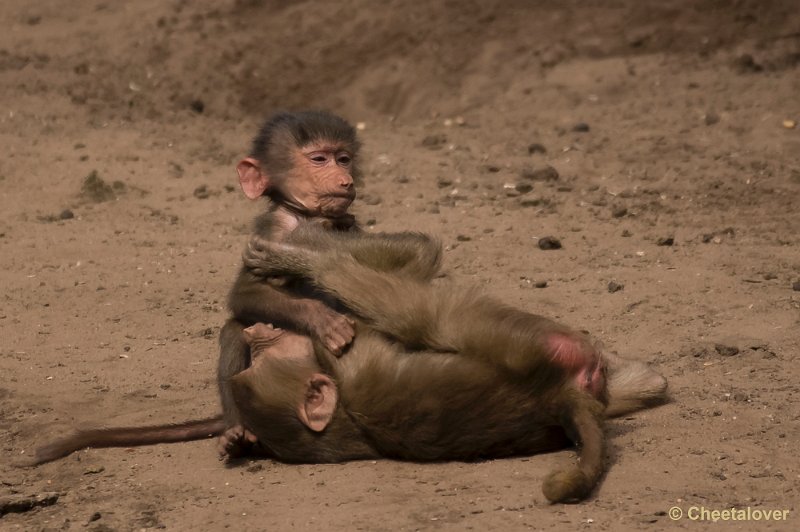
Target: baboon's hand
335	331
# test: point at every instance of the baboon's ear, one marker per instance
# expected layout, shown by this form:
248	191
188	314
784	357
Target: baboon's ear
316	409
252	178
242	386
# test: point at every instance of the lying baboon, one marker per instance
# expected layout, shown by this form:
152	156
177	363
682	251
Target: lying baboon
434	373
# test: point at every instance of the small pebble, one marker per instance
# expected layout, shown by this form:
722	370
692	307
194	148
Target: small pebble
549	242
255	468
740	396
796	286
434	142
666	241
201	192
614	286
546	173
726	350
198	106
66	214
536	148
581	127
540	284
619	212
711	118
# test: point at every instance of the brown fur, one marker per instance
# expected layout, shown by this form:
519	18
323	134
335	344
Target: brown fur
435	372
275	168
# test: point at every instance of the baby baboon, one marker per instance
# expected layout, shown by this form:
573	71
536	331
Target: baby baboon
305	164
434	372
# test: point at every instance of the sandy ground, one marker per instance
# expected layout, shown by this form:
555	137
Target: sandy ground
670	130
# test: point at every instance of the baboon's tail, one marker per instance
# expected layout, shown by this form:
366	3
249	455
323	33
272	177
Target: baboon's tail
126	437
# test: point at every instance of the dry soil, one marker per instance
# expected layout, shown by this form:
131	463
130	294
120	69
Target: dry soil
657	140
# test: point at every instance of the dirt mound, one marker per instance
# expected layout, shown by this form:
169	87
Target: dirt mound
400	59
